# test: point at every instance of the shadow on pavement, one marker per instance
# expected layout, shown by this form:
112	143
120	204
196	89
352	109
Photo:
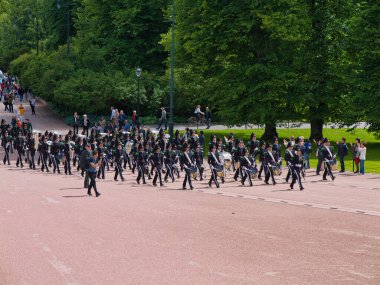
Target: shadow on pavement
79	196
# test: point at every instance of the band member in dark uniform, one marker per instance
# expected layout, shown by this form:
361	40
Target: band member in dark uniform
198	157
86	153
66	153
215	165
253	144
296	167
238	153
157	159
91	171
44	153
247	163
169	157
102	160
289	154
327	156
6	142
261	153
268	163
19	145
187	165
140	164
32	151
118	156
54	154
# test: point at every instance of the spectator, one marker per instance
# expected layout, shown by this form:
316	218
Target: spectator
86	124
201	139
103	123
342	152
198	113
134	118
75	122
121	119
308	150
163	119
112	114
362	154
32	103
356	154
21	111
127	126
208	117
116	118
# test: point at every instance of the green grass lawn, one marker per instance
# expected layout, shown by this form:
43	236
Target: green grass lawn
372	164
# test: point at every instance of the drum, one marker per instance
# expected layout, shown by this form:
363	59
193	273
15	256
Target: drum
193	171
252	171
277	171
128	147
227	160
334	165
219	171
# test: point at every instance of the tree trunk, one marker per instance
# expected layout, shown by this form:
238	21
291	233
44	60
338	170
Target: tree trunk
270	133
316	130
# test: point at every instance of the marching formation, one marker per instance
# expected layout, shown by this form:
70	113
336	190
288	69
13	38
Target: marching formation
155	155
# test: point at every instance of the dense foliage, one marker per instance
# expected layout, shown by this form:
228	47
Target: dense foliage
251	61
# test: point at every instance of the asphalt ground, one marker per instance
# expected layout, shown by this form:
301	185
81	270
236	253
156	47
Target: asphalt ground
52	232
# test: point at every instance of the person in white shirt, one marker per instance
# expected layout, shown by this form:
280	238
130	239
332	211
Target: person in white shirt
362	155
198	113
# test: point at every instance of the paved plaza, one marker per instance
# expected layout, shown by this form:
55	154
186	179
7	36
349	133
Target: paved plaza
53	233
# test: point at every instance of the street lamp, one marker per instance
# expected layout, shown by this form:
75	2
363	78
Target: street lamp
138	74
171	122
59	6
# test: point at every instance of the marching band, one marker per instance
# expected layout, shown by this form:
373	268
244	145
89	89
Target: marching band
154	153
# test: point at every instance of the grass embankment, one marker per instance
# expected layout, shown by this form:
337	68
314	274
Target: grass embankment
372	164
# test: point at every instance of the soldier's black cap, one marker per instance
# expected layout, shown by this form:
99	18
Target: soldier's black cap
289	145
325	140
297	147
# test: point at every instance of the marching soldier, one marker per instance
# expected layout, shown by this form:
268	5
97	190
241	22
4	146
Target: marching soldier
140	164
32	151
66	152
261	153
296	167
19	146
215	165
157	159
239	152
327	156
118	157
247	163
91	172
6	142
269	162
187	165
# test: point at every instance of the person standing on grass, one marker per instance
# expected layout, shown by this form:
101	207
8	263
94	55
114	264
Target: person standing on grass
76	123
356	154
362	156
342	152
208	117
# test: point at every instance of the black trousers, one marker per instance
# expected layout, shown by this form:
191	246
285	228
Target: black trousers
320	161
157	175
214	177
261	170
31	161
327	171
92	184
246	175
187	179
75	129
102	169
6	155
169	171
67	165
55	163
269	174
44	161
118	170
19	158
296	176
141	173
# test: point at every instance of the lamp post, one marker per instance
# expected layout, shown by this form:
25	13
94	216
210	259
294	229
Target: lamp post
59	5
171	122
138	74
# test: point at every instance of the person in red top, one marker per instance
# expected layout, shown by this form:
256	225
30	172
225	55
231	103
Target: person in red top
134	118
